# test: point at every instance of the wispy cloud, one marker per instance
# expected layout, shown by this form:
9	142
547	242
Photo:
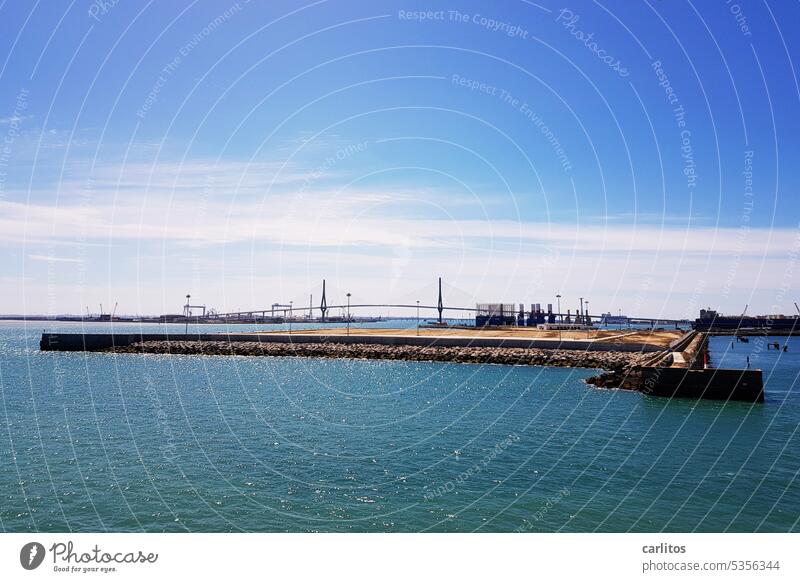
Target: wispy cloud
339	220
238	231
53	259
13	119
650	217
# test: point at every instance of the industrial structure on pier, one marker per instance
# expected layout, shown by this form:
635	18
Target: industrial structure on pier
504	314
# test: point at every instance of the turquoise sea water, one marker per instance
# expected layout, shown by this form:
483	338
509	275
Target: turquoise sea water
95	442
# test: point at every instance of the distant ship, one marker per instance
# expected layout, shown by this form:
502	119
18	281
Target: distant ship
711	320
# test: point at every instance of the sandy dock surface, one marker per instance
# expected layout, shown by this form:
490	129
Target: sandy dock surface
657	338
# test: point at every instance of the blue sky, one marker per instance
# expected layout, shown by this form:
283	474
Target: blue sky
642	154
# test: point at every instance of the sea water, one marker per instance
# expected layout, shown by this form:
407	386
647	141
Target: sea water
103	442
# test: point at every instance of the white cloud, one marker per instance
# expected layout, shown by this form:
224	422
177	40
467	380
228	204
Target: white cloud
53	259
220	229
340	221
13	119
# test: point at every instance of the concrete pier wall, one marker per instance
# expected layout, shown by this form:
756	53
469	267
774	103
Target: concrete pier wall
709	383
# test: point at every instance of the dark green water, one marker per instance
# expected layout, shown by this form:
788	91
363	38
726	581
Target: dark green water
169	443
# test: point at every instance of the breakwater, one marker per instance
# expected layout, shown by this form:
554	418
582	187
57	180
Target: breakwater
93	342
673	370
607	360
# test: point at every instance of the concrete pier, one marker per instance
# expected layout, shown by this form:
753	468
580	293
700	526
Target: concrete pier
93	342
651	365
680	372
708	383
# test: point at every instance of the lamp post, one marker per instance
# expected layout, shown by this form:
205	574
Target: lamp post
186	313
558	300
291	303
587	319
417	316
348	314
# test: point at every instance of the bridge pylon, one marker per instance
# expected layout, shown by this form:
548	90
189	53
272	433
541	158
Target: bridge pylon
440	305
323	305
